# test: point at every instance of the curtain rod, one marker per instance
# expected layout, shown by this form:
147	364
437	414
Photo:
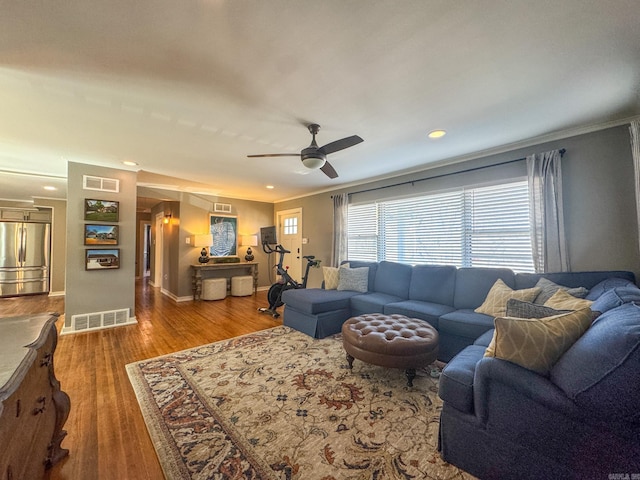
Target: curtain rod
409	182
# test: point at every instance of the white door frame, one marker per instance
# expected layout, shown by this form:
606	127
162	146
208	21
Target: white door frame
157	269
295	261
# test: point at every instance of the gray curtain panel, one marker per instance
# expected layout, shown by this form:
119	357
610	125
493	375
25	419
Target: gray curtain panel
634	132
548	241
340	228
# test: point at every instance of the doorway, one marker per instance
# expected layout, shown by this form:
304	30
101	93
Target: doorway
146	250
290	237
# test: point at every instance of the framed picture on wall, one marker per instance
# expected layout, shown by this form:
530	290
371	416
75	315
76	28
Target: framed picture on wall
98	259
100	234
101	210
224	229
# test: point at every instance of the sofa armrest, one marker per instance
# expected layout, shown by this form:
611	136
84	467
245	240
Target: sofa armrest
493	377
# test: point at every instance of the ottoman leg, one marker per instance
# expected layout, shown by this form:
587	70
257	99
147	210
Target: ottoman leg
411	374
350	361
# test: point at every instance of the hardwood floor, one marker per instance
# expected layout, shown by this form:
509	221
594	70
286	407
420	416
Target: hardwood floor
106	435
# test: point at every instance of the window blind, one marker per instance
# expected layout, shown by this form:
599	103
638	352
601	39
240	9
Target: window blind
472	227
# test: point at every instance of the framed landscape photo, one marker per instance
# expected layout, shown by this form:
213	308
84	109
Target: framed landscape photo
101	210
98	259
100	234
224	230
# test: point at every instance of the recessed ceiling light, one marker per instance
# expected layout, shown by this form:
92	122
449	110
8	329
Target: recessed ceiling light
49	187
436	134
130	163
270	187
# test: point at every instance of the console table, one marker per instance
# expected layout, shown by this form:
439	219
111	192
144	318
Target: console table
33	409
206	270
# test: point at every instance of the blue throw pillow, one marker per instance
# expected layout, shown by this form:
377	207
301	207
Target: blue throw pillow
607	284
615	297
600	371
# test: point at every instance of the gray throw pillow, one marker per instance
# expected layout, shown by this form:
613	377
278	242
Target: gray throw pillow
355	279
548	288
519	309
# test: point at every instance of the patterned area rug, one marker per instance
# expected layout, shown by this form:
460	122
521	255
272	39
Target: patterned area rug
279	404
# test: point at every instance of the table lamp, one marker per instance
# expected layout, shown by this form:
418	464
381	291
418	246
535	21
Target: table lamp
249	241
204	241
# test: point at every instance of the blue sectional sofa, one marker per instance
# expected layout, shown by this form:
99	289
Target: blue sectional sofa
444	296
579	421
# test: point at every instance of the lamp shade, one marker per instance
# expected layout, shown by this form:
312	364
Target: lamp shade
204	240
248	240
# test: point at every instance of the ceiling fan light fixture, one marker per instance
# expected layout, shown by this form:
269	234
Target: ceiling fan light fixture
314	162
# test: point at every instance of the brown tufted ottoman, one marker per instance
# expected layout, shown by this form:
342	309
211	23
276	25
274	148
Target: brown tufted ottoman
393	341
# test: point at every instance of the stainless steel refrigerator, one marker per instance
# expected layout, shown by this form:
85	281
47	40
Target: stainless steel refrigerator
24	258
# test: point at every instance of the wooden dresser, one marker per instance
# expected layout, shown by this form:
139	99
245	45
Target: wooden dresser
33	409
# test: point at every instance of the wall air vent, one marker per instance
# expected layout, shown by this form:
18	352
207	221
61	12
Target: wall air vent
222	207
100	184
97	320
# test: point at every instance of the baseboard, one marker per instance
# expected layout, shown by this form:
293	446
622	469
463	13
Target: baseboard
56	294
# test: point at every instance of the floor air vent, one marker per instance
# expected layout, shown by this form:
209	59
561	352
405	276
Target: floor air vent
97	320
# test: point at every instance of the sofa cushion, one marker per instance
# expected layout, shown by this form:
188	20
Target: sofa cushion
563	300
608	284
393	279
615	297
354	279
473	285
600	371
519	309
465	323
433	283
317	300
427	311
456	380
548	288
496	302
484	340
372	302
537	344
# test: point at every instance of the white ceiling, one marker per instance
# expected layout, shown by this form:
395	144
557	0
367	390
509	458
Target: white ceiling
187	89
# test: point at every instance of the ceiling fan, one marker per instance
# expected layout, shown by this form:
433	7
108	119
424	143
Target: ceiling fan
314	157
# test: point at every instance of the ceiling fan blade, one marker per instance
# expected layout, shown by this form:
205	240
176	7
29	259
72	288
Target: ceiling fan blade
341	144
275	155
329	170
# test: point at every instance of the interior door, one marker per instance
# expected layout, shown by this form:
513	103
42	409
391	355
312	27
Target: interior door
290	237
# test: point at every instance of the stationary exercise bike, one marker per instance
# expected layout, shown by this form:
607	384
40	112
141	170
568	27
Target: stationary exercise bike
286	282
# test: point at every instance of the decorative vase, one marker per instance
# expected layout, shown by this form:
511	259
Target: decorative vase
249	256
204	258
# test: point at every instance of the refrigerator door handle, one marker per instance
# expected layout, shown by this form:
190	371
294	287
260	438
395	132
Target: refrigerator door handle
23	245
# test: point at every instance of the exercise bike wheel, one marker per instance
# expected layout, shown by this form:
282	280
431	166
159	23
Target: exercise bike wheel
274	295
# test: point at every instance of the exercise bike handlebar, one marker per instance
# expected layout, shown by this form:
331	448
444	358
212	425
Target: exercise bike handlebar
267	248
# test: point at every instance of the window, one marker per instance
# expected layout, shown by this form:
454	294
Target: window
471	227
291	225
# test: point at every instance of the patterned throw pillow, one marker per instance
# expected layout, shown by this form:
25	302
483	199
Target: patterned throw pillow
331	277
548	288
537	344
519	309
496	302
356	279
561	300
